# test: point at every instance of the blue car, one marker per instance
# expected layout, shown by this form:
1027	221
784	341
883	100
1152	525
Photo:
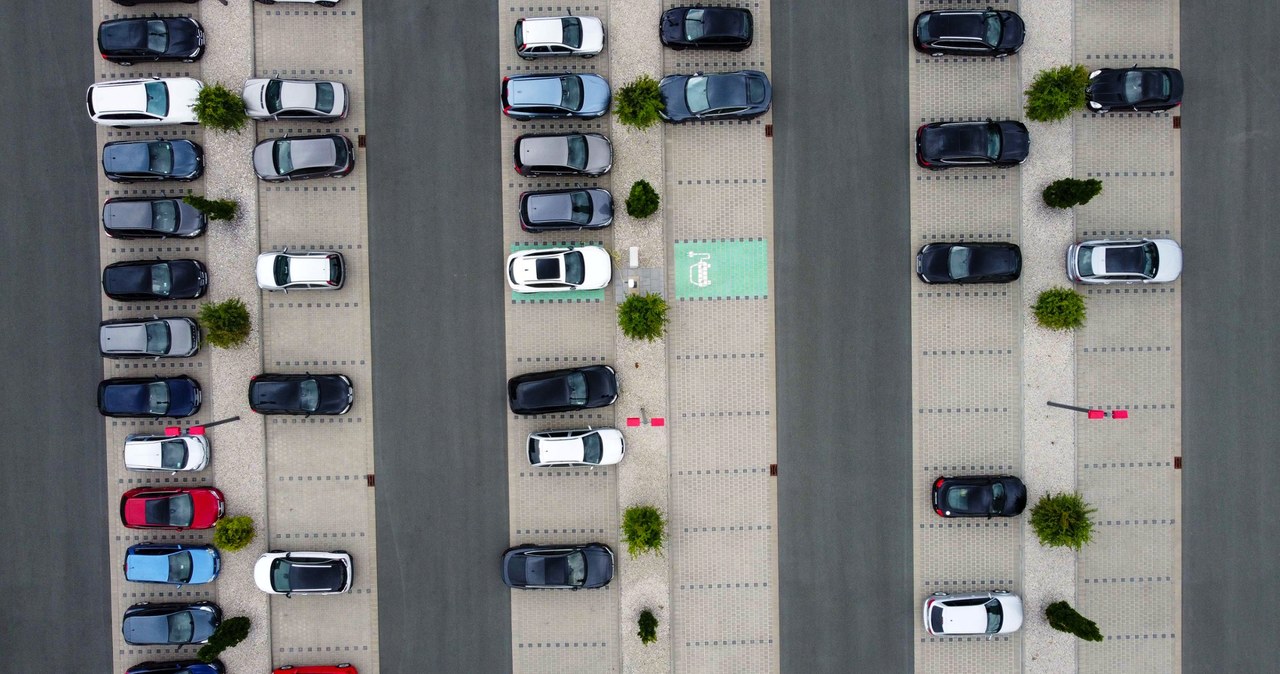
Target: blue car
149	397
178	667
171	563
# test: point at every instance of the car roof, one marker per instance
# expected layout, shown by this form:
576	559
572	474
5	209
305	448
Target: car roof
550	207
312	152
544	150
124	337
560	450
128	96
540	90
308	268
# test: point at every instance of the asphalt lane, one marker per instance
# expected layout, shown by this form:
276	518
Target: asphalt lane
435	252
842	251
54	578
1230	332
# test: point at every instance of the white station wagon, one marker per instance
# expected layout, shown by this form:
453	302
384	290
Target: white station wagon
147	102
166	454
312	270
577	447
559	36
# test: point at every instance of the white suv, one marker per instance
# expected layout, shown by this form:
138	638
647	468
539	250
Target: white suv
577	447
313	270
559	36
161	453
147	102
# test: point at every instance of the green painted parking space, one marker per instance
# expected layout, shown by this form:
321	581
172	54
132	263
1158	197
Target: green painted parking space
722	269
564	297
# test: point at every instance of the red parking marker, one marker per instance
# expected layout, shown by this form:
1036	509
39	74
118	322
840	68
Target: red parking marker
633	421
1119	414
172	431
1097	414
196	430
658	421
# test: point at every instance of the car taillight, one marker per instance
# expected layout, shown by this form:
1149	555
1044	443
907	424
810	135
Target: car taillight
332	283
939	511
920	128
938	483
506	79
506	109
523	47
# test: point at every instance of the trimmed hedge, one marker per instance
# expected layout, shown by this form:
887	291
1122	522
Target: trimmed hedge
644	530
643	316
233	533
1056	92
1069	192
637	104
1059	309
220	108
648	627
643	200
1062	520
226	324
1064	618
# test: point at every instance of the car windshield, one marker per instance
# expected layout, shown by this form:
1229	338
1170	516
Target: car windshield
958	262
592	448
993	142
173	454
157	337
1150	259
575	270
339	153
324	97
571	92
158	397
997	497
1084	261
693	28
180	567
572	29
577	383
160	157
577	152
181	627
157	36
581	208
164	216
280	575
284	160
273	95
309	395
992	34
1140	86
157	99
695	94
577	564
995	616
161	279
281	270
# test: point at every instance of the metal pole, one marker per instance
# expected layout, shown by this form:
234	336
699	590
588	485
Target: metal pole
1050	403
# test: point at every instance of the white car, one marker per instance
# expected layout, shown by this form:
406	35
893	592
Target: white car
312	270
290	573
166	454
577	447
1125	261
995	612
314	100
559	36
554	269
154	101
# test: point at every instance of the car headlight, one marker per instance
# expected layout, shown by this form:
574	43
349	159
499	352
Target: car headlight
1094	74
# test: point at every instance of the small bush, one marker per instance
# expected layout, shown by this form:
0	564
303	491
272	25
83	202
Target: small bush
215	209
648	627
230	632
644	530
1056	92
226	324
220	108
1069	192
1062	520
638	103
1059	309
1064	618
643	316
233	533
643	200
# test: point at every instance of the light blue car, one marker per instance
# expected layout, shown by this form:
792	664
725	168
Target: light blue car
171	563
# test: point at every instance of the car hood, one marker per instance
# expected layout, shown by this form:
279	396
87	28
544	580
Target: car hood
205	564
186	158
933	264
595	93
184	336
183	92
263	158
184	35
599	154
599	267
1015	142
188	278
1170	266
1012	608
602	387
671	25
184	397
592	34
335	395
1015	494
1014	31
599	567
672	90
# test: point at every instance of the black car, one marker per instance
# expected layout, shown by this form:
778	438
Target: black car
968	32
178	666
727	28
130	3
148	624
301	394
155	280
127	161
558	566
944	145
1137	89
969	262
153	38
151	218
555	210
149	397
743	94
563	390
979	496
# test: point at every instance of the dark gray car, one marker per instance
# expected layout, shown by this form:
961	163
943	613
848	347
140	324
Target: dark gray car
584	96
175	337
563	154
151	218
743	94
128	161
148	624
554	210
304	157
569	567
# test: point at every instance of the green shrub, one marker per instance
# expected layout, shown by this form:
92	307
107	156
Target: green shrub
1062	520
1059	309
220	108
1056	92
1069	192
233	533
229	633
226	324
1066	619
643	200
648	627
643	316
215	209
638	103
644	530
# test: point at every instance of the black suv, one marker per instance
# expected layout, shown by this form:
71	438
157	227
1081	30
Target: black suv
563	390
138	280
944	145
728	28
968	32
153	38
304	394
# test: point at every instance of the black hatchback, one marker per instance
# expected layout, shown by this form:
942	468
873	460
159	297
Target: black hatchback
127	161
563	390
148	624
968	32
151	218
304	394
1136	89
154	38
138	280
944	145
569	567
979	496
557	210
728	28
969	262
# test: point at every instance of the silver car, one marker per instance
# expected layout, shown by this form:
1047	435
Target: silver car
166	454
303	157
563	154
584	96
314	100
1125	261
176	337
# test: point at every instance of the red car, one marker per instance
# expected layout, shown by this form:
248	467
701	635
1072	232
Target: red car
344	668
171	507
